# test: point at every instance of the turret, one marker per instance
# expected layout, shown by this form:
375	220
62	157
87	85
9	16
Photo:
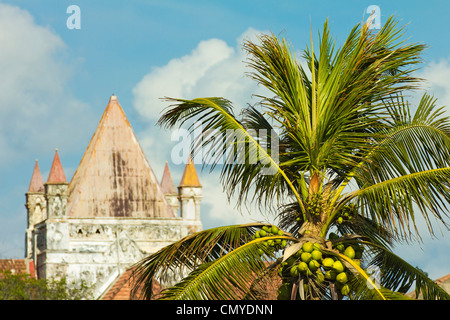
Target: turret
56	189
36	207
190	195
169	190
52	236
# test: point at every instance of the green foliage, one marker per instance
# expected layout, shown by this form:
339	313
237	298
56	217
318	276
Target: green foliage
24	287
355	167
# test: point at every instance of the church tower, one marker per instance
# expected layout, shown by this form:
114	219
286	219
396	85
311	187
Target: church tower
36	207
190	195
53	233
56	190
113	213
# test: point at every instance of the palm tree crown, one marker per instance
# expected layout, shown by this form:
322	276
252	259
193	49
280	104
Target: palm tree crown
350	168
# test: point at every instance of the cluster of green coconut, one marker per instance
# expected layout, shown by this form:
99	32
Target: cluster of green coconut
346	214
311	262
275	244
353	251
314	204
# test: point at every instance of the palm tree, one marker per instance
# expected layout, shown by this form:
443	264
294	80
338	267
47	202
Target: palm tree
351	168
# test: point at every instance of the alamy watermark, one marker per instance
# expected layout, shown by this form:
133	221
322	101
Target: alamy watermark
74	20
374	274
374	17
213	147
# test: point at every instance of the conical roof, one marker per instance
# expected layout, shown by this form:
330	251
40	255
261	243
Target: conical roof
56	174
36	183
114	178
167	185
190	177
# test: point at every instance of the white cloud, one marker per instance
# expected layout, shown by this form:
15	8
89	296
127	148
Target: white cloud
437	81
213	68
37	110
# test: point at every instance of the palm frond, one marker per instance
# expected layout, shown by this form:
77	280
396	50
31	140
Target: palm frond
409	162
398	275
226	278
186	254
367	229
246	159
392	202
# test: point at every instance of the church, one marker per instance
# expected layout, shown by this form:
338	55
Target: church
112	213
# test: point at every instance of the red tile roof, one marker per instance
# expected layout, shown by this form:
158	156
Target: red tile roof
17	266
56	174
121	289
36	183
443	279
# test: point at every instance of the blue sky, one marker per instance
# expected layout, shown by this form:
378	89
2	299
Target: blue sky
57	81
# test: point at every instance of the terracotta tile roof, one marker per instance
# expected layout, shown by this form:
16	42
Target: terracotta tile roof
114	178
56	174
36	183
190	177
443	279
17	266
121	289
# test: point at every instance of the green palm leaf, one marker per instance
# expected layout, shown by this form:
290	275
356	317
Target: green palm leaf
399	275
226	278
347	154
191	252
240	169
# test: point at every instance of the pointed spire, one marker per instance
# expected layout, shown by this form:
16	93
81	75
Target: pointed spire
190	177
167	185
114	177
56	174
36	183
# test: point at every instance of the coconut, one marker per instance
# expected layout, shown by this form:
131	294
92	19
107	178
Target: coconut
283	243
313	265
327	263
294	271
338	266
302	267
349	252
345	290
305	257
263	233
308	247
317	246
316	255
342	277
274	230
319	276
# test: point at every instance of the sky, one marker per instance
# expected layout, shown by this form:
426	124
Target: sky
56	81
